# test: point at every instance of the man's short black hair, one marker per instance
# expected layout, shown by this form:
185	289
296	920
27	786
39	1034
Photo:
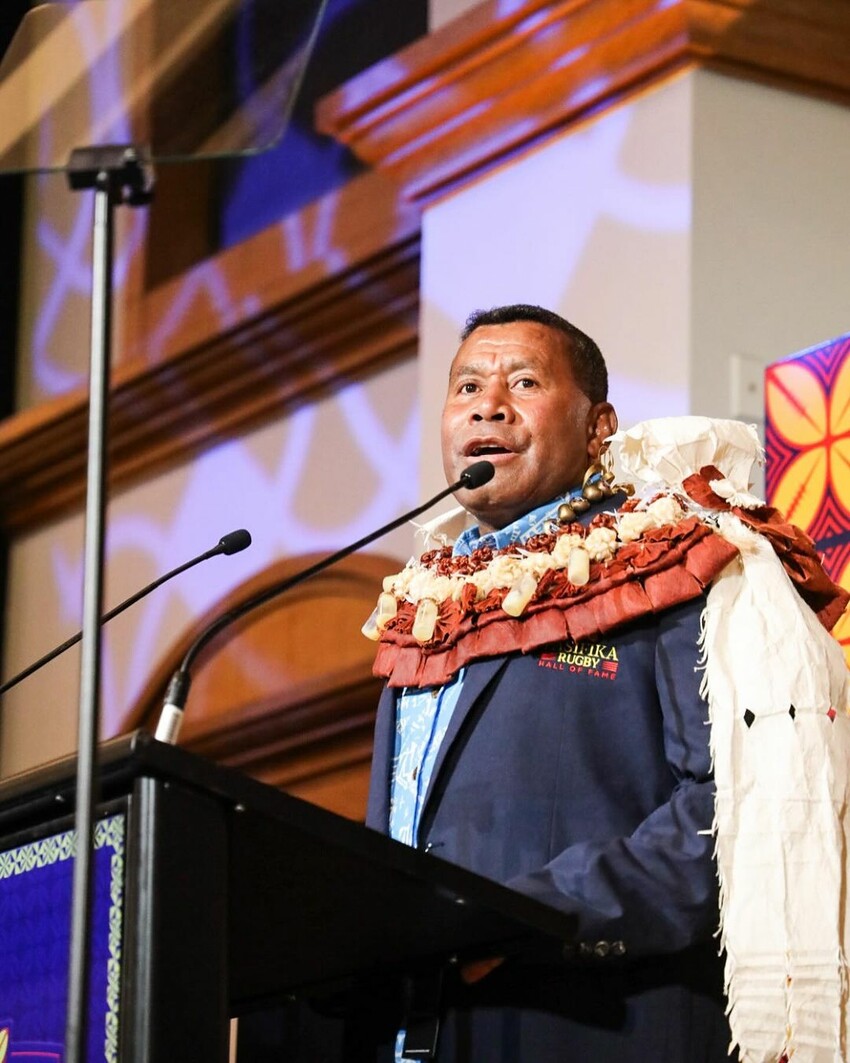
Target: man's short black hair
588	365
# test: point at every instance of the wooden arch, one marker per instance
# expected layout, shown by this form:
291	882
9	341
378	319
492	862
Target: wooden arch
287	693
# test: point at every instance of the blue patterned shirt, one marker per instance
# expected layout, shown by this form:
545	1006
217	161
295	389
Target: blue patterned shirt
424	714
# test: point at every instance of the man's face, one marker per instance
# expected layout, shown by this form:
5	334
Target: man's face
512	399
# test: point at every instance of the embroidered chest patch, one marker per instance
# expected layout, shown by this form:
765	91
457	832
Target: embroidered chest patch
598	660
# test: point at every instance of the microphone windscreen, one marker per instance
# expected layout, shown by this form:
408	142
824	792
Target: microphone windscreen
477	475
234	541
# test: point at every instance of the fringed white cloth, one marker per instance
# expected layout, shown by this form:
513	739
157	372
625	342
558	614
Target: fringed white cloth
777	689
776	685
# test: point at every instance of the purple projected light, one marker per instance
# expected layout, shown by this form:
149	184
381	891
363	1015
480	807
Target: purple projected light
267	502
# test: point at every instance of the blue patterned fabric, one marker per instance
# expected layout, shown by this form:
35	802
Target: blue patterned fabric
423	719
522	528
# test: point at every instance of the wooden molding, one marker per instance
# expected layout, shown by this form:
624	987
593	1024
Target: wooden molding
462	99
313	740
291	334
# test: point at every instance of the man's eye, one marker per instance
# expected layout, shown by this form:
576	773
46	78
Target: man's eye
527	382
468	388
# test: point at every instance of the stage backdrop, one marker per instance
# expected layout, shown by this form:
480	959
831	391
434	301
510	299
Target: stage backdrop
807	400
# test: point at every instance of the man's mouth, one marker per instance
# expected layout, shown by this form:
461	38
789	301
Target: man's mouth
485	450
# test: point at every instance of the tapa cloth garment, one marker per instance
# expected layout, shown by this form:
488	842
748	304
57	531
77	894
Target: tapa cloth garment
776	685
777	689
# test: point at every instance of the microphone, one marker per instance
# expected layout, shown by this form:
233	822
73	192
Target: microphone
171	717
232	543
476	475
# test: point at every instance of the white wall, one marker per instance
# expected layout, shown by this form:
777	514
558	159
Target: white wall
771	232
698	233
595	224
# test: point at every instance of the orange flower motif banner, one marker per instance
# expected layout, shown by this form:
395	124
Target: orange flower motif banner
807	400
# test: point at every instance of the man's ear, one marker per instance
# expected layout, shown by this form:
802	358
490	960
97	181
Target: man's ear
602	422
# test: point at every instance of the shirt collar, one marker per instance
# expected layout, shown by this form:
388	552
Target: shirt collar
518	531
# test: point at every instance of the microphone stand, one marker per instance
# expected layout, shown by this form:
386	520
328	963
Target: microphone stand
171	718
117	175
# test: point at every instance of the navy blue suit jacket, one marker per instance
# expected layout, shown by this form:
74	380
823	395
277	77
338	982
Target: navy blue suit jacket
581	775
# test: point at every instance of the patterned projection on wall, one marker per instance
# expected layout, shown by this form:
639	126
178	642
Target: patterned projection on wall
254	193
599	210
324	475
297	490
354	35
808	452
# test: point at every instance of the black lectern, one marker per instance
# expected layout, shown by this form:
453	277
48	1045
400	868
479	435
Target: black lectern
235	895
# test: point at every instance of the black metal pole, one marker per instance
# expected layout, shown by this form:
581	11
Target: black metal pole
90	670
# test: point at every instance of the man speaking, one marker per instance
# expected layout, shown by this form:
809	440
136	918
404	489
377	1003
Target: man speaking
574	769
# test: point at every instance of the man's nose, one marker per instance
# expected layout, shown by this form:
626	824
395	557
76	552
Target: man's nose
493	405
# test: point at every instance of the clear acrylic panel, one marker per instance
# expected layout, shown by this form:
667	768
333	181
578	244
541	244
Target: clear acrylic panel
179	79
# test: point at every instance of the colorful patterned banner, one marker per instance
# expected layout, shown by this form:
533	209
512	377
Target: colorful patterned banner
35	917
807	401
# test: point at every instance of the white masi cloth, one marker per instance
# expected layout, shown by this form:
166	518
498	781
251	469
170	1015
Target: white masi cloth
781	808
776	683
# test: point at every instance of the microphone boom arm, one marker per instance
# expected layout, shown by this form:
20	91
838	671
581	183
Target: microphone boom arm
178	689
231	543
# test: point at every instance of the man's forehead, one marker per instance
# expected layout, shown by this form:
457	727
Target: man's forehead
502	361
511	346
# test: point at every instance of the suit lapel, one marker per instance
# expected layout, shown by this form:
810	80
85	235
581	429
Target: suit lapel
378	807
476	680
478	677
